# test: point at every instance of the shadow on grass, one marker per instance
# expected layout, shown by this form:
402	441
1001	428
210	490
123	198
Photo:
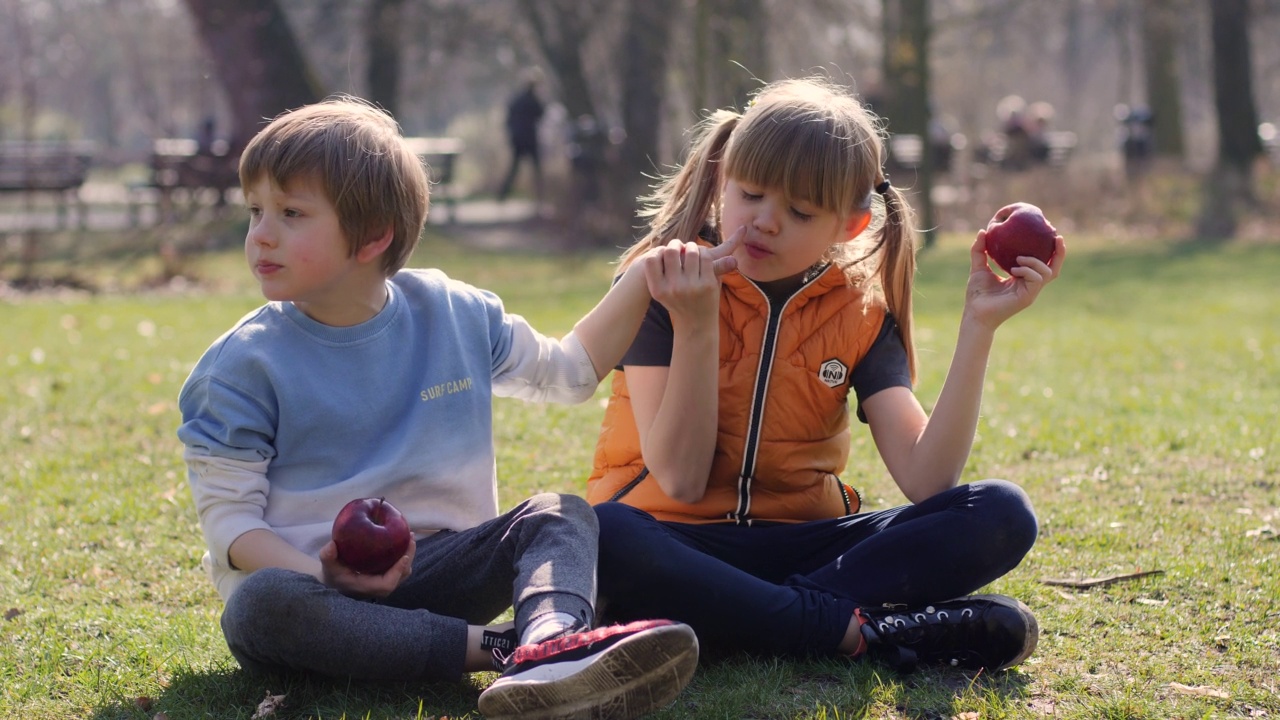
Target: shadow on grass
740	686
736	686
230	693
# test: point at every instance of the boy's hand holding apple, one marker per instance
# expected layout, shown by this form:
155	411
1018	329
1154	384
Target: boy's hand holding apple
371	551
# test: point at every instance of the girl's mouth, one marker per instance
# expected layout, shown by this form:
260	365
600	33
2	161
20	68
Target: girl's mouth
756	252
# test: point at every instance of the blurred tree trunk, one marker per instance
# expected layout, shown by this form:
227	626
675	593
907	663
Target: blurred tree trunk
1164	92
1231	183
644	64
907	107
561	28
736	53
1238	141
382	37
1076	61
1119	17
257	60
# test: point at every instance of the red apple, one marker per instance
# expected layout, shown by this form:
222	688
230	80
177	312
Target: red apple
1019	229
371	535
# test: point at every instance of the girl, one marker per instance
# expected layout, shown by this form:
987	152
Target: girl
715	478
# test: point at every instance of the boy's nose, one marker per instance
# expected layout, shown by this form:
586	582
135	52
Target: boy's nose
260	234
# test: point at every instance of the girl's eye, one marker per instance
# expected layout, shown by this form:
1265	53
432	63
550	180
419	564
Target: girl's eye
254	211
751	196
801	215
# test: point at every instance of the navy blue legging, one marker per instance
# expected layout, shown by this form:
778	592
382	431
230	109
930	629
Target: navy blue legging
790	589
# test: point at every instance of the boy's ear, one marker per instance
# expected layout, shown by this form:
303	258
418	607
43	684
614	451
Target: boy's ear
857	223
373	250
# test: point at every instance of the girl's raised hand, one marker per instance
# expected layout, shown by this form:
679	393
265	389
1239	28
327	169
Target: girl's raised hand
685	276
991	299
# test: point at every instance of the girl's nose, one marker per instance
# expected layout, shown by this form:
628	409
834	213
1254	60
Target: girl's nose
766	219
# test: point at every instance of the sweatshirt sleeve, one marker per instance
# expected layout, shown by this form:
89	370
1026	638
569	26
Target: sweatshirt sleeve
228	436
230	497
537	368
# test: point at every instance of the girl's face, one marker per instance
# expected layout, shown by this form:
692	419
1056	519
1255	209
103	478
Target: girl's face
784	238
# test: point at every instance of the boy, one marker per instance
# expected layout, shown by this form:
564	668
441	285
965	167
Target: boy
358	379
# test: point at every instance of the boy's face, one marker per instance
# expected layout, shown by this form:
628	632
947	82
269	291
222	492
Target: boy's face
296	249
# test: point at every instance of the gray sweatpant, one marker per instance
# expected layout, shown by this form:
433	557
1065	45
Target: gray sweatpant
540	557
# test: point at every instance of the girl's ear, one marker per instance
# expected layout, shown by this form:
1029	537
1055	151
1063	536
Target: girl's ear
857	223
373	250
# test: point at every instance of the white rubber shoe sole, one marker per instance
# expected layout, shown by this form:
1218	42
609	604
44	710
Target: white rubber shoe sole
634	676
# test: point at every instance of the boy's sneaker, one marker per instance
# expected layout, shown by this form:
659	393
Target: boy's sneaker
610	673
976	632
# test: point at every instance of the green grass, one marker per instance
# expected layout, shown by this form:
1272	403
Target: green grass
1136	402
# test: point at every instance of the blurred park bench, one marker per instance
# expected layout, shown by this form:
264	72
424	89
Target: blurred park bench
906	151
1053	149
180	169
47	166
441	156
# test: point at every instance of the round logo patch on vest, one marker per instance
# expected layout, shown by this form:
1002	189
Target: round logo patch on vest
833	373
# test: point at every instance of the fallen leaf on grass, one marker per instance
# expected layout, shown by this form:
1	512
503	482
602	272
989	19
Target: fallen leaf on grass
268	706
1150	601
160	716
1100	581
1200	691
1265	531
971	715
12	613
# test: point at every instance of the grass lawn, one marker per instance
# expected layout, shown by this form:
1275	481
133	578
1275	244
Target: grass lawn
1137	403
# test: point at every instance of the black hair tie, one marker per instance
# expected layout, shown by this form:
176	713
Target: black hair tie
883	187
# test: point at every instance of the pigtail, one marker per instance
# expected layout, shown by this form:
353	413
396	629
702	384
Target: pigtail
685	201
898	266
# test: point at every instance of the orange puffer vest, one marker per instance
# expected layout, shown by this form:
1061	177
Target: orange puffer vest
783	418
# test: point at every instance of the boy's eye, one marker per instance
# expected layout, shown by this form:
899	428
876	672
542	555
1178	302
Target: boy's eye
290	212
254	211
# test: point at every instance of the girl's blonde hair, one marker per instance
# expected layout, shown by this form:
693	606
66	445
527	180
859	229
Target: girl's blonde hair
356	153
816	142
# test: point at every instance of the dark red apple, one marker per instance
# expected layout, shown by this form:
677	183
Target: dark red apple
371	535
1019	229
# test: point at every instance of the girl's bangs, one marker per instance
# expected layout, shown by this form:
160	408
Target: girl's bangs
801	154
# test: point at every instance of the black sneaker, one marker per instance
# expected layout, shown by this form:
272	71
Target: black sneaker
991	632
616	672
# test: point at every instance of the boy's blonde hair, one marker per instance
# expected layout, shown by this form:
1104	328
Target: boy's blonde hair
356	153
816	142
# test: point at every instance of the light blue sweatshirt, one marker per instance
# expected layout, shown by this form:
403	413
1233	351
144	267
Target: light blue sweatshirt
285	419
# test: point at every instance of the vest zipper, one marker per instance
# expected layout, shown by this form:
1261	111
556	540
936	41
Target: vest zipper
644	473
751	446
